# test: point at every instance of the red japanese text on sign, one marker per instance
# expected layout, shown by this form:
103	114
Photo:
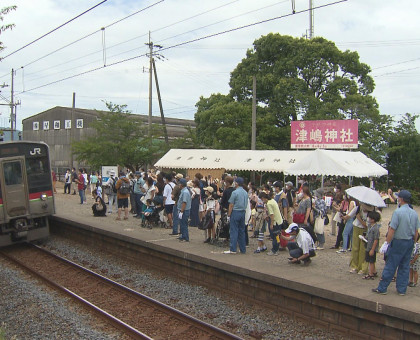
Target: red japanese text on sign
331	134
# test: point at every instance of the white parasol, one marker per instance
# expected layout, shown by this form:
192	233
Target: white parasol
367	196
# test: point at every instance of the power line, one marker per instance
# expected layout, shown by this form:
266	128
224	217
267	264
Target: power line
121	43
186	42
55	29
90	34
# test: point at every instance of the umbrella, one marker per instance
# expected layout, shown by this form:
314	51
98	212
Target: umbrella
367	196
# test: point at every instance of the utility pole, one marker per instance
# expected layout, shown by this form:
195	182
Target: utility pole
165	132
152	68
254	114
72	127
311	19
254	120
12	109
150	44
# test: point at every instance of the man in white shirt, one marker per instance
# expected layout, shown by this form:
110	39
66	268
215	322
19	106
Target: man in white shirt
303	248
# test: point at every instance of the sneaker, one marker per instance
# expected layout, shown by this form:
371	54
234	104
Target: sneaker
257	251
341	251
271	253
264	249
376	290
307	262
229	252
412	284
401	294
363	238
173	234
207	240
183	240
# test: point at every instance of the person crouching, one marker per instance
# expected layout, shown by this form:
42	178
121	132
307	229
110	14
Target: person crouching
303	247
99	207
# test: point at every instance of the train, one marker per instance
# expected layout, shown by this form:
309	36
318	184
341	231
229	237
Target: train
26	192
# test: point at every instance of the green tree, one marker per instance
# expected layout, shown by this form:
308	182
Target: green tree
121	138
4	27
299	79
404	153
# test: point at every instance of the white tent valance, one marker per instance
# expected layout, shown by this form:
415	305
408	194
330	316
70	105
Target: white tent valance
337	163
314	162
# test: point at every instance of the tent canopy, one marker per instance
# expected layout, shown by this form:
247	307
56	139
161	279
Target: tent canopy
336	163
314	162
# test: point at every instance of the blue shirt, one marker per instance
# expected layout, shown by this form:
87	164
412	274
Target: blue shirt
137	187
185	196
239	199
405	222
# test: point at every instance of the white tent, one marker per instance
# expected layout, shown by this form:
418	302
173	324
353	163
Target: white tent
252	160
314	162
336	163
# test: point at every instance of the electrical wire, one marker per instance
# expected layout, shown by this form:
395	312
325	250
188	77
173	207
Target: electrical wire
121	43
90	34
55	29
219	22
186	42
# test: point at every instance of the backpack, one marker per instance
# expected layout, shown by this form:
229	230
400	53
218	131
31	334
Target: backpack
113	189
125	188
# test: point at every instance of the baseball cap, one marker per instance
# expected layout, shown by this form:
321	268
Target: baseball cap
209	189
290	184
183	182
239	180
404	194
291	228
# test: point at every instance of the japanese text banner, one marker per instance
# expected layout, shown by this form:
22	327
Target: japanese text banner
328	134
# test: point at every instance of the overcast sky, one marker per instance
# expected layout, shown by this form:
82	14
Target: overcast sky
384	33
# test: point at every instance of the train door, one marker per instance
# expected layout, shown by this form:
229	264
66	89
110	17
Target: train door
15	191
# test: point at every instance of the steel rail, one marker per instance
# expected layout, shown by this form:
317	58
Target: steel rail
117	322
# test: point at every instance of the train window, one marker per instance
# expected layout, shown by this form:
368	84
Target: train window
12	173
37	166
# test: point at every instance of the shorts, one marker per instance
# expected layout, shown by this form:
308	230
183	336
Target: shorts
370	259
169	209
122	203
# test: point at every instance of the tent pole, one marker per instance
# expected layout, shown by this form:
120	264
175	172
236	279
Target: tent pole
322	181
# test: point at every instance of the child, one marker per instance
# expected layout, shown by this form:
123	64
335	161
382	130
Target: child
415	264
99	207
260	217
149	208
252	219
210	206
372	236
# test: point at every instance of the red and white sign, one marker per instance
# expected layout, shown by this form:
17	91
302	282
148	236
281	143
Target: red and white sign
324	134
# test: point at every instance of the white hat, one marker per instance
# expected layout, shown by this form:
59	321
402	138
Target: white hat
292	227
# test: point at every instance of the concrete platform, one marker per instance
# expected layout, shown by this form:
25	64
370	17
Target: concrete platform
330	296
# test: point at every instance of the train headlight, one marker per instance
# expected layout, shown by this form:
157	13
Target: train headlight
44	197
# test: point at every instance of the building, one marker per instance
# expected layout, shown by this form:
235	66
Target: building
60	125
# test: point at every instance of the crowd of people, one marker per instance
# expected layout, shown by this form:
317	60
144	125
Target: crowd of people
294	219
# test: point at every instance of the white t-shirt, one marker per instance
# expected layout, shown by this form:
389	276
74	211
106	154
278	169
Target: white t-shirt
304	241
167	191
211	204
148	192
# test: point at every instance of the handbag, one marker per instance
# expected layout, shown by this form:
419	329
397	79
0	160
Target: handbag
99	207
206	222
326	220
298	218
319	225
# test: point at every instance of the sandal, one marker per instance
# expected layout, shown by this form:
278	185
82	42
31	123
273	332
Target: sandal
394	279
353	271
368	277
118	219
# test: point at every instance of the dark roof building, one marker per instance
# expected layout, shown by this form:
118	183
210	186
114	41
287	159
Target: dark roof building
60	125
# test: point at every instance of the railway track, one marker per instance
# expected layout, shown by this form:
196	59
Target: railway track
135	314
